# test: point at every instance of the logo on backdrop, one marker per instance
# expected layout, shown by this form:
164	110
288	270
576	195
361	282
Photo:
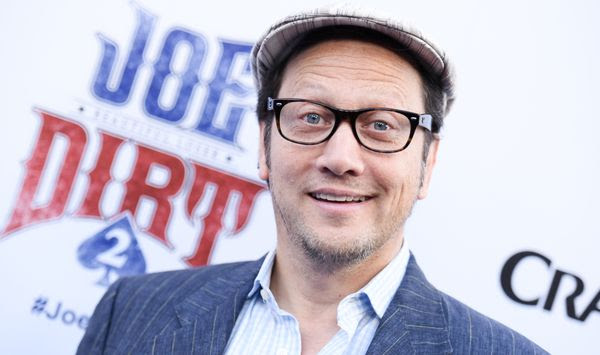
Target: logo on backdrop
550	295
172	139
115	250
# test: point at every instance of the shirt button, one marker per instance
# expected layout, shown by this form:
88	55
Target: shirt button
264	294
282	351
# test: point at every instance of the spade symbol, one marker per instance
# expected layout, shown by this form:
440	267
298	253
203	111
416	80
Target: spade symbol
114	248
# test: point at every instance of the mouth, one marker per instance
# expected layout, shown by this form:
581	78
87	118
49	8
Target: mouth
339	198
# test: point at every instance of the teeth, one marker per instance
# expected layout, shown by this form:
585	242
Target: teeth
335	198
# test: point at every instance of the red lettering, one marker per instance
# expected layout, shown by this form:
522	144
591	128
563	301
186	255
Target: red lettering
225	184
100	176
138	186
25	213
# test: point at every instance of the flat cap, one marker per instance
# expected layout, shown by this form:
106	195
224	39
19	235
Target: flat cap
272	48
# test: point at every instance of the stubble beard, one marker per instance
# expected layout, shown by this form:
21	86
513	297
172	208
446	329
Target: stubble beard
330	258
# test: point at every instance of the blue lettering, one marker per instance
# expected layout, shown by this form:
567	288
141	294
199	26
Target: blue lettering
222	83
68	317
120	94
58	308
171	88
187	80
83	322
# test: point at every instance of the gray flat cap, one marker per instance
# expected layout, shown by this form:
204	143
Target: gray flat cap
271	49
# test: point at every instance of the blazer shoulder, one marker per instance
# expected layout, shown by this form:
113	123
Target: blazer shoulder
132	303
473	332
185	281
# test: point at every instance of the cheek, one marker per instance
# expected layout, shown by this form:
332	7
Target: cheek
285	163
401	180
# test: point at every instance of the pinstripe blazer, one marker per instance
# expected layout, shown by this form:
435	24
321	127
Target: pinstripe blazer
194	311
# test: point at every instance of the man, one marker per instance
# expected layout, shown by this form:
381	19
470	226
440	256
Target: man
349	109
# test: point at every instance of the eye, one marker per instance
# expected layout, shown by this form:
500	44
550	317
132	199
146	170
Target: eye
312	118
380	126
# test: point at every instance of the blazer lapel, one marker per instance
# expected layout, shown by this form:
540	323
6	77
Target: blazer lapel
208	315
414	321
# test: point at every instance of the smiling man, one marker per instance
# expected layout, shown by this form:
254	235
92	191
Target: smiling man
349	107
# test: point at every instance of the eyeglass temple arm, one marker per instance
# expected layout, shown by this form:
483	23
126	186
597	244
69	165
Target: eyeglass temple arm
270	104
425	121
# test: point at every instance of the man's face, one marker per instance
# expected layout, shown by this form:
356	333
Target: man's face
378	189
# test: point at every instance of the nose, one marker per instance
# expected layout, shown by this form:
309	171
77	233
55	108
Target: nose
341	154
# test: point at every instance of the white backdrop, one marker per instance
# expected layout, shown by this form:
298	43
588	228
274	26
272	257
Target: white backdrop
88	151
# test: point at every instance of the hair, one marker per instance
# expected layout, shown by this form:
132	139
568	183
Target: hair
433	90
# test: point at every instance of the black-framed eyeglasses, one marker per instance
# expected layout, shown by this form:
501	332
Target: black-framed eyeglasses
380	129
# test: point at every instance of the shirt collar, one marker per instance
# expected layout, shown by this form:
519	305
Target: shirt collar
380	290
263	278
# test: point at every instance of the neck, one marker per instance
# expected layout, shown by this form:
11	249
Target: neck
312	292
304	287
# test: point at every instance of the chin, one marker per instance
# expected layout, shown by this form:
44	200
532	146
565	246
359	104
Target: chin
335	256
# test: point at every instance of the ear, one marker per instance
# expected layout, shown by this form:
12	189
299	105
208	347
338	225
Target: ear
263	169
429	165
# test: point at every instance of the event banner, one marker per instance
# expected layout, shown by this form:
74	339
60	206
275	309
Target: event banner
130	141
151	166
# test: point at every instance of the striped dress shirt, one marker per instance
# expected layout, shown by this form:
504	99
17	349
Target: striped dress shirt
264	328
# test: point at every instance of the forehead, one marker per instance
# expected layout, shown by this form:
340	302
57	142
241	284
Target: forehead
351	74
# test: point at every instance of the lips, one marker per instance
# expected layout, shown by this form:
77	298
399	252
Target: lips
340	198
